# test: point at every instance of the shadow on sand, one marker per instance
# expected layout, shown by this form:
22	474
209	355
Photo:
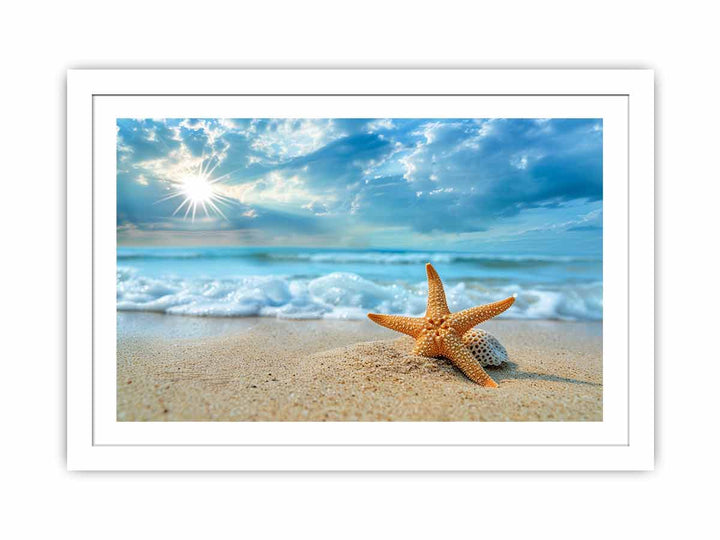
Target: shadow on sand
509	371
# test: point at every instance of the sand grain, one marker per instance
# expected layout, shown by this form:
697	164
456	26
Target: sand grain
353	370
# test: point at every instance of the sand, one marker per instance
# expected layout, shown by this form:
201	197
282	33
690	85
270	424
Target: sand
189	369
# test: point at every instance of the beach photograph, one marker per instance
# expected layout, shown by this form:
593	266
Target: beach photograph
359	269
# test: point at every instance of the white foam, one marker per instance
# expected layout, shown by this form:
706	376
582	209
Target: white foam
339	295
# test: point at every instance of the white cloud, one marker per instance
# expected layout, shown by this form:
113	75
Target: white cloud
441	141
525	159
270	190
591	218
519	162
380	124
318	208
291	138
178	164
409	163
212	130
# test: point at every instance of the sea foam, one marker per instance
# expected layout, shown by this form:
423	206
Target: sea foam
341	295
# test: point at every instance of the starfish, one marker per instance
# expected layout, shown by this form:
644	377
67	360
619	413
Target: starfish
439	332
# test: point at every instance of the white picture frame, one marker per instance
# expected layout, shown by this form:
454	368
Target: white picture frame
622	441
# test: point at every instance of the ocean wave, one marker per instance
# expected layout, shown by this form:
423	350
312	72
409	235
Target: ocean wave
126	254
340	295
350	257
381	257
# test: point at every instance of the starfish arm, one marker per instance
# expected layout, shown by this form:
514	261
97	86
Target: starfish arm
454	350
436	302
462	321
412	326
426	345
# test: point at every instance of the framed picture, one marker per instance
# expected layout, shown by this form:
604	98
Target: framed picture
360	270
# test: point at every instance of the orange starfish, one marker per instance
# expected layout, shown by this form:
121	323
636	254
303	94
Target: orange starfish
439	332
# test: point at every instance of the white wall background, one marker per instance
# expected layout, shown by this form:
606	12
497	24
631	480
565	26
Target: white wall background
40	41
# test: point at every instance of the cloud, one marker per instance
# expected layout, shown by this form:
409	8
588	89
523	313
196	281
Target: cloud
280	139
381	124
274	189
592	221
318	208
366	176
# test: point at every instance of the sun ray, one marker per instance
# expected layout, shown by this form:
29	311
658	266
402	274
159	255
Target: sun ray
216	208
200	193
171	196
186	201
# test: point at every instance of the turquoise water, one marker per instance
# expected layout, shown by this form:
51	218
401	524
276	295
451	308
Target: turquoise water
333	283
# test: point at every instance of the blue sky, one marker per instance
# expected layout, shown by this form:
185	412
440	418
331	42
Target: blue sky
495	185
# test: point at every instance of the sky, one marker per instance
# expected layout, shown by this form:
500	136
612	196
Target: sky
509	186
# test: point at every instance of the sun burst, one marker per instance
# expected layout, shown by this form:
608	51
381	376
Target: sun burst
199	191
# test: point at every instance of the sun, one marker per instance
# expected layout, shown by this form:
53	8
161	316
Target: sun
196	188
198	191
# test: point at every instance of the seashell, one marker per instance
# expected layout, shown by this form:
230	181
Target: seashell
485	347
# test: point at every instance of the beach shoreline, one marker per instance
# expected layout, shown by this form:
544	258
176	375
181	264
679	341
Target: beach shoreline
173	368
